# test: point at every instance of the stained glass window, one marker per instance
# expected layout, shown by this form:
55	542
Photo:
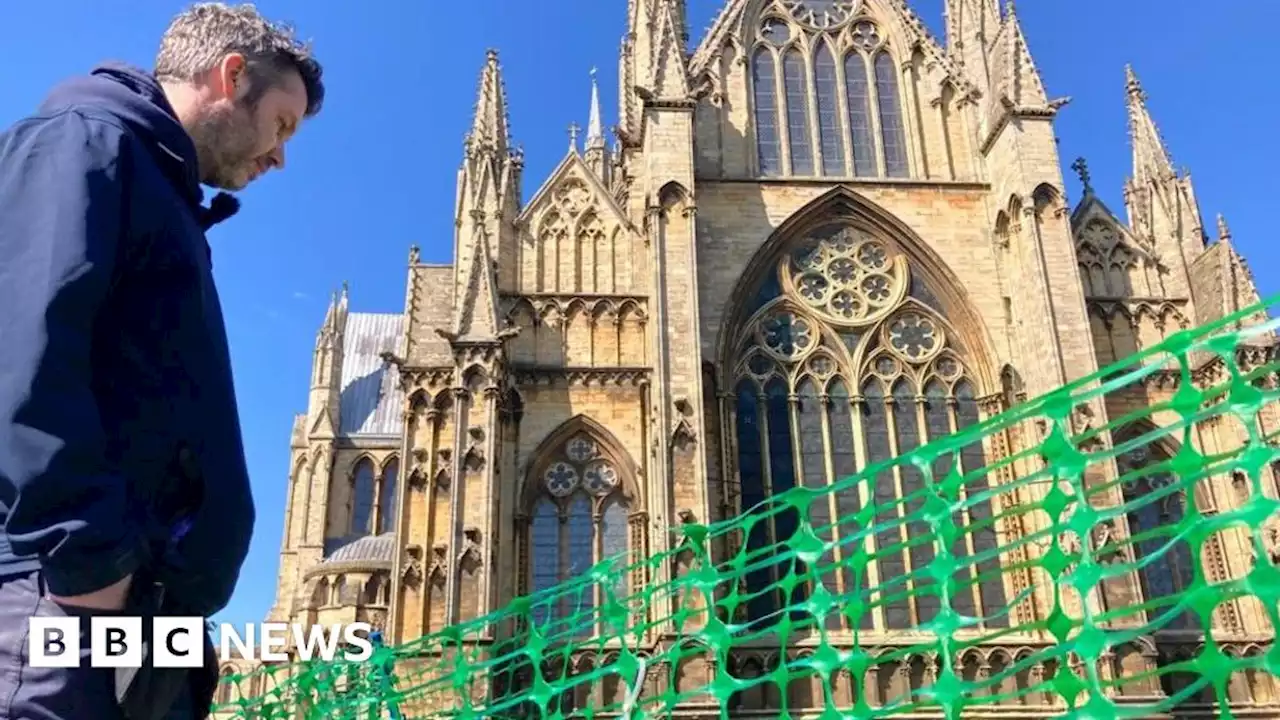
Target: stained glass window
579	518
842	316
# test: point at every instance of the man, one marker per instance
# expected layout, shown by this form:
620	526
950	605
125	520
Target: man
123	486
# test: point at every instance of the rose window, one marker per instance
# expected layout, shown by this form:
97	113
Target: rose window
787	335
913	336
561	479
849	278
580	449
600	478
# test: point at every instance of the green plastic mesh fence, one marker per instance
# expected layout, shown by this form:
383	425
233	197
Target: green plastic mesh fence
1136	557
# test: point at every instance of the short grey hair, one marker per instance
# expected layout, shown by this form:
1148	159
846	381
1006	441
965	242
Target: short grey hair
201	36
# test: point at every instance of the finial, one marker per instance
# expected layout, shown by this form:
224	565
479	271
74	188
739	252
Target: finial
492	55
415	254
345	289
573	136
1224	232
1081	166
593	73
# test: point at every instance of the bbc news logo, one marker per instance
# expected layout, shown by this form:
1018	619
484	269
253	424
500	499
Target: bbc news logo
178	642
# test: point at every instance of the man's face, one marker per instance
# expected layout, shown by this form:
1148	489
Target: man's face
237	141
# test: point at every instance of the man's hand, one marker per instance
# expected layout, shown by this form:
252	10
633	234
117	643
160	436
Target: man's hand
111	597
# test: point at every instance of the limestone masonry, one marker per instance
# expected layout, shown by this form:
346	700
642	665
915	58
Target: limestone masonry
819	240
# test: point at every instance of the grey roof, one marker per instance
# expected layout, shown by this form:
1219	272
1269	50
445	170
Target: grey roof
367	549
371	396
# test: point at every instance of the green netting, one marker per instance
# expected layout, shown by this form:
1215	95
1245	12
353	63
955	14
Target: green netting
1095	624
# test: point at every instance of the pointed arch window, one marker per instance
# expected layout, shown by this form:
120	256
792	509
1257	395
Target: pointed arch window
764	82
362	497
387	496
848	68
827	85
858	93
1157	505
579	517
796	83
849	362
893	136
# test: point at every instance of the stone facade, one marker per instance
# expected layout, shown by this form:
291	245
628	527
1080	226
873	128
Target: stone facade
820	239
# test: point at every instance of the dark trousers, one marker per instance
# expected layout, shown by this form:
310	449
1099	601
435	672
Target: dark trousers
31	693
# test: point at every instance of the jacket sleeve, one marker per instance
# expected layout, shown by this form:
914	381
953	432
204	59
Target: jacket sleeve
62	195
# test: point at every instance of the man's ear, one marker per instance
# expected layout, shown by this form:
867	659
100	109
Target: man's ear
231	77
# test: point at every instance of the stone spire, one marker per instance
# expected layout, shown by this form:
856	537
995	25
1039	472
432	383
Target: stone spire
1014	75
476	311
489	129
1161	201
670	70
488	195
597	154
1151	161
326	368
972	28
634	62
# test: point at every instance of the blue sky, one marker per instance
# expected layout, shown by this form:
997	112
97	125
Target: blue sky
375	173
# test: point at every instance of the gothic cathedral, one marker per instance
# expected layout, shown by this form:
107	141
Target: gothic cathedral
820	239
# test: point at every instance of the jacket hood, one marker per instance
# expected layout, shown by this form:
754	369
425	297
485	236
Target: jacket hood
135	97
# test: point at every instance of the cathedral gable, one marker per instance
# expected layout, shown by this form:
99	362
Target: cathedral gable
1113	262
575	239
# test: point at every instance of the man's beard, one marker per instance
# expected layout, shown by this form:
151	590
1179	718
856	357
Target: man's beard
225	140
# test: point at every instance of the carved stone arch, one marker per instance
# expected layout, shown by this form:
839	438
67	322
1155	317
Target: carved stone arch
631	308
318	455
587	217
610	449
843	206
522	307
1014	208
910	304
575	307
604	310
1049	204
672	195
474	378
386	464
364	456
418	401
443	402
320	593
1001	226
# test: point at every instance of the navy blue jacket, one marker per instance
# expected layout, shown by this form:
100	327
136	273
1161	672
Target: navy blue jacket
118	423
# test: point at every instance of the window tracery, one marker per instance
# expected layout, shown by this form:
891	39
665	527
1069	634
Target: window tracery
371	505
1157	505
845	361
811	59
579	517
